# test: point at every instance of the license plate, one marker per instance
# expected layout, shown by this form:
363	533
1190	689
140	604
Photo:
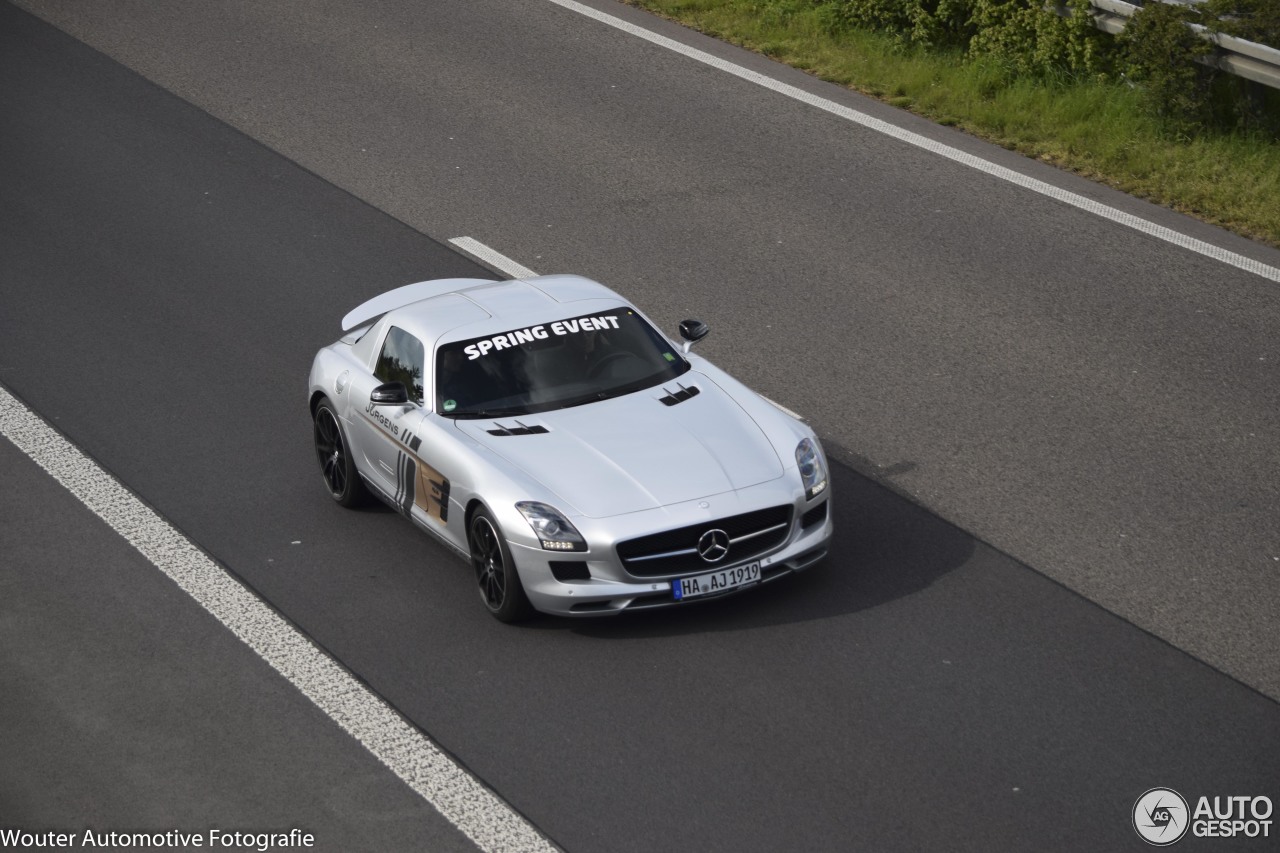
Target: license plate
713	582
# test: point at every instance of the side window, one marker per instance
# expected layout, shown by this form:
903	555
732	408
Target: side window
401	360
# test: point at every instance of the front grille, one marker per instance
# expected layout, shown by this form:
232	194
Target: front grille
756	533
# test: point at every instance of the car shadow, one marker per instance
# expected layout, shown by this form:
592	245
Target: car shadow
885	547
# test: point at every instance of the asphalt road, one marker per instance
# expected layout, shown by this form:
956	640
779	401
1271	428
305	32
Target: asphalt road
125	706
167	278
1095	402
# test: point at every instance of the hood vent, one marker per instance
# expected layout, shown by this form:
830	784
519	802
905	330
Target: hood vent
674	397
518	429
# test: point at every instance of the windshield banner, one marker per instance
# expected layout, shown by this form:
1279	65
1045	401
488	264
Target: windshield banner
539	333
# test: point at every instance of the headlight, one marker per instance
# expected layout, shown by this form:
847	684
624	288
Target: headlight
812	472
553	530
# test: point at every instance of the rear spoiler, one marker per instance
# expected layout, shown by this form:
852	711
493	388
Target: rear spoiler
401	296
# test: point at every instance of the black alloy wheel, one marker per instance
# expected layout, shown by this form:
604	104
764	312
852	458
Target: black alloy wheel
336	465
496	576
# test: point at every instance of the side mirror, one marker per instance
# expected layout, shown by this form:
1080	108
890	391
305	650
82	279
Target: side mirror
693	331
390	394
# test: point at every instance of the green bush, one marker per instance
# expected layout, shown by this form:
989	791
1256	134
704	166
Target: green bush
1160	53
927	23
1035	42
1255	20
1157	51
1250	107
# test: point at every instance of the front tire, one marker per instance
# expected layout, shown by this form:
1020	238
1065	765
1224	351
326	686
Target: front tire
337	466
498	581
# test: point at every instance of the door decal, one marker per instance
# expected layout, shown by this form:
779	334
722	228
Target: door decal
417	483
404	482
433	493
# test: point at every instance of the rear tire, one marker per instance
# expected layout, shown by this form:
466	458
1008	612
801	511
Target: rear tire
337	467
496	576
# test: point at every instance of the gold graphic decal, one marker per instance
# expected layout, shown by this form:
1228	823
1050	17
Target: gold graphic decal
432	493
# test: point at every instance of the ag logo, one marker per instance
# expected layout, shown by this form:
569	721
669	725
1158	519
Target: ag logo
1160	816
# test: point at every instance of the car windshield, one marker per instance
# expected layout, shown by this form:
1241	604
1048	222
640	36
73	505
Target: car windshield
553	365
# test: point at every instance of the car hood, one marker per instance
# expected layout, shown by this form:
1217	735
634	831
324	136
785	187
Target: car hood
634	452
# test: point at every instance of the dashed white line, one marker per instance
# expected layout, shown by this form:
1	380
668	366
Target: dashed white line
781	407
501	262
462	799
493	258
1128	220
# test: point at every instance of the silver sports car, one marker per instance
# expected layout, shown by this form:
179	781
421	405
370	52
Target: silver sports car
582	461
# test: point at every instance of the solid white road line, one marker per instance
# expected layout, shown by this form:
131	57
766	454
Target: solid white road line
463	800
494	259
1078	201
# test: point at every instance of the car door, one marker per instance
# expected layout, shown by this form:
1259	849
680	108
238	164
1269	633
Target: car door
434	448
386	434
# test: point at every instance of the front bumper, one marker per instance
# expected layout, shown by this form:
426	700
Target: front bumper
610	589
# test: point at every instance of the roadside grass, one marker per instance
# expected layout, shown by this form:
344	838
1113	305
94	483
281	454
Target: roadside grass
1093	127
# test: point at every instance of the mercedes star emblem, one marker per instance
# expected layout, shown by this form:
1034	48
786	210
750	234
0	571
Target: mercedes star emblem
713	545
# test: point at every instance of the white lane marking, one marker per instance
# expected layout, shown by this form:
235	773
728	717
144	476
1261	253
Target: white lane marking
780	407
494	259
502	262
1075	200
462	799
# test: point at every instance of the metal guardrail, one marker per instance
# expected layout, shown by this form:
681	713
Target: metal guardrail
1256	62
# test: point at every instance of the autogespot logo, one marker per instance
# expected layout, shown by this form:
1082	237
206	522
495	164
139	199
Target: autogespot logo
1160	816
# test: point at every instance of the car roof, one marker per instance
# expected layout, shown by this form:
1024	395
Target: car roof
457	309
